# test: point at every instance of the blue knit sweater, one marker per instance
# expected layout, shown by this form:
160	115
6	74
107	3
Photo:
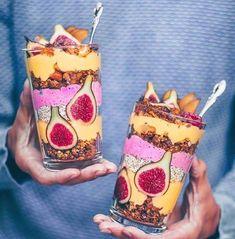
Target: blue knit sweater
185	44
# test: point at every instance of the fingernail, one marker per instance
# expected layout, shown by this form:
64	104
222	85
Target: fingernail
73	176
112	168
127	234
105	230
100	172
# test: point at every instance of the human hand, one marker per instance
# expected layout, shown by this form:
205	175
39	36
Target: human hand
197	217
23	144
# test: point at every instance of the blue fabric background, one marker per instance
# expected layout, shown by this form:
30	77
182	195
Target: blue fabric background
187	45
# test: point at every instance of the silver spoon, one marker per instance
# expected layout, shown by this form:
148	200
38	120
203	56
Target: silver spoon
97	14
218	90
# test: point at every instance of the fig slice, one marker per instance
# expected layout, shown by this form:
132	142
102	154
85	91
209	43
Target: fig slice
60	134
82	106
42	40
150	93
171	99
33	48
122	191
153	179
61	38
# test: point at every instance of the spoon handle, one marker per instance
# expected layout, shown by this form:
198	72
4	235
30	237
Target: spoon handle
218	90
97	14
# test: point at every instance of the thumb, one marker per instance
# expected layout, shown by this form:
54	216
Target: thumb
25	111
198	171
25	97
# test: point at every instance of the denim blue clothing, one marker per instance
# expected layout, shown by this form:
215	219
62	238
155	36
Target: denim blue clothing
186	44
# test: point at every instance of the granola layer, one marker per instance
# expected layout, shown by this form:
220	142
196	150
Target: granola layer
145	213
84	150
164	142
60	79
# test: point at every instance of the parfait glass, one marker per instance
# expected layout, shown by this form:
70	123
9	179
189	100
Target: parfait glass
66	94
156	159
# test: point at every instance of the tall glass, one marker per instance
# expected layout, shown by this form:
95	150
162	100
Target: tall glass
157	156
66	94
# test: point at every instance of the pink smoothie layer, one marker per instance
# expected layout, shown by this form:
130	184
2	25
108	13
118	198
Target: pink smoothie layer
182	160
57	97
142	149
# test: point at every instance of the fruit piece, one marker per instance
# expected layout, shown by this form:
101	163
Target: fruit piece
166	95
62	38
122	188
82	106
171	101
153	179
191	107
84	50
193	119
60	134
33	48
42	40
79	34
186	99
151	94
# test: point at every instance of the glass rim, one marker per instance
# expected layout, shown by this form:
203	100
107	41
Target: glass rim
182	118
92	45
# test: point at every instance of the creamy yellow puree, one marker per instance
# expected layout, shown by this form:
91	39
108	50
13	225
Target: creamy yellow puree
87	132
42	66
168	200
175	132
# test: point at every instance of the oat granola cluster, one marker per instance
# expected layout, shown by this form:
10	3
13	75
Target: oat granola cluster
145	213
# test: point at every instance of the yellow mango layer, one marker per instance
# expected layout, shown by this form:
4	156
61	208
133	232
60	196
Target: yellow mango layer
42	66
175	132
87	132
166	202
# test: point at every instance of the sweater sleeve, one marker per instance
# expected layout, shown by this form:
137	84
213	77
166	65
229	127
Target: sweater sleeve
225	196
9	172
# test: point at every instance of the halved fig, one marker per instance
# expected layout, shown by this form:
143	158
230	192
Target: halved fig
153	179
150	93
60	134
82	106
34	48
62	38
171	101
122	190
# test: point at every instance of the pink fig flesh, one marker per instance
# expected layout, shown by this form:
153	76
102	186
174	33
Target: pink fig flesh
60	135
152	181
82	108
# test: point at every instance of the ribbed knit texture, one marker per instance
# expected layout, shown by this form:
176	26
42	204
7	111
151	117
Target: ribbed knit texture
188	45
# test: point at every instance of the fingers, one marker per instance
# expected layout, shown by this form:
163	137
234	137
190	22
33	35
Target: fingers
33	165
94	171
25	98
106	225
101	218
111	167
183	229
198	171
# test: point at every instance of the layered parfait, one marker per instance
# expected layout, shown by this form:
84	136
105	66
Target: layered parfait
66	93
157	155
